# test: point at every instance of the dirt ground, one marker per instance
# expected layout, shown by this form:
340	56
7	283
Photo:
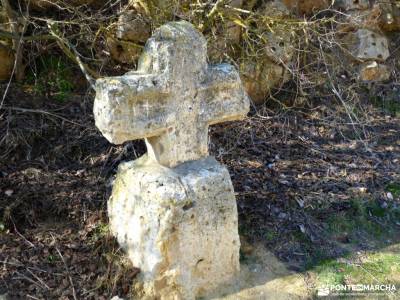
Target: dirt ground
311	186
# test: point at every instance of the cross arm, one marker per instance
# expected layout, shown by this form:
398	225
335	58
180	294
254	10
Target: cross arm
131	107
223	97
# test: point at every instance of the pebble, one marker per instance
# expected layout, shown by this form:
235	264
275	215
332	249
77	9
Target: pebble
282	215
9	192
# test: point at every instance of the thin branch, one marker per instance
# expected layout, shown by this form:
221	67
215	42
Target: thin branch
215	8
39	111
67	269
74	55
8	35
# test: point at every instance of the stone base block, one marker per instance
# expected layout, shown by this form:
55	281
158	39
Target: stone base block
179	226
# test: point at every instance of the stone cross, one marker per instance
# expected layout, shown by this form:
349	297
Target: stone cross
172	99
174	210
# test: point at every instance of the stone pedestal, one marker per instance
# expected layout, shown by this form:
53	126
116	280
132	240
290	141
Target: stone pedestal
178	225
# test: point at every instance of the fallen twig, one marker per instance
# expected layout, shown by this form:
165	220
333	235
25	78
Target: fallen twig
67	270
40	111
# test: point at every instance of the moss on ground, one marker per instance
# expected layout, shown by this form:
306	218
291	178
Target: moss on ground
394	188
367	268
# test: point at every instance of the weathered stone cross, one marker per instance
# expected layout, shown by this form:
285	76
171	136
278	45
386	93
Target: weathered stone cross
172	99
174	211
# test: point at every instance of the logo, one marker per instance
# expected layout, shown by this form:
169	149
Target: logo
323	291
355	289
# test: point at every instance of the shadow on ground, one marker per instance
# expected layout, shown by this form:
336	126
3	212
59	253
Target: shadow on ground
317	204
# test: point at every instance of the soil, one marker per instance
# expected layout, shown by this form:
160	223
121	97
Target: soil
293	170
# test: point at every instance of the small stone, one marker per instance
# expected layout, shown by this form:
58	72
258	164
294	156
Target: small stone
80	173
362	190
271	166
374	72
384	204
282	215
9	192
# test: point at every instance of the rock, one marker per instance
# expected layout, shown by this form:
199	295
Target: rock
278	41
179	226
225	43
7	61
8	192
275	8
365	45
385	16
282	215
259	77
373	71
278	46
132	27
124	51
348	5
306	7
131	32
267	70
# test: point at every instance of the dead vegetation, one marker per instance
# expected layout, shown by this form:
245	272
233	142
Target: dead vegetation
307	188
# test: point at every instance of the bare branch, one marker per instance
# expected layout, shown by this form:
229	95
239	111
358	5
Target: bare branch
8	35
74	55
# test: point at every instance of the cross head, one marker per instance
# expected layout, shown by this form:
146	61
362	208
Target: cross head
172	99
